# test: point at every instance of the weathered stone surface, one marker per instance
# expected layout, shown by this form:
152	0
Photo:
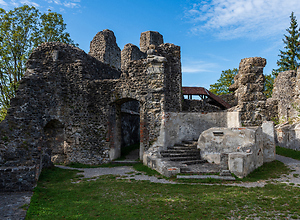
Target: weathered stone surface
130	53
268	132
150	38
72	107
284	91
190	105
288	136
105	49
248	90
244	147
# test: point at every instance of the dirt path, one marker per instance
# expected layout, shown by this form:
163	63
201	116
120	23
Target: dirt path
11	204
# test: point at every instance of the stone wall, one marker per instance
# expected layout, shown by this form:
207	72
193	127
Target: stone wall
248	89
150	38
284	90
105	49
68	107
178	127
190	105
130	53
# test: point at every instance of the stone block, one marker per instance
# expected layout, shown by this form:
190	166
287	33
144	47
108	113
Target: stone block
269	148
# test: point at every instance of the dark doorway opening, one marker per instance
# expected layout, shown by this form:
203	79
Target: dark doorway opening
130	130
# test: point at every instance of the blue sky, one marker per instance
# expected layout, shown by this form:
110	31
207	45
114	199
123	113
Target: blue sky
214	35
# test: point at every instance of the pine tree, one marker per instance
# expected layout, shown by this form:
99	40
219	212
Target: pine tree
289	59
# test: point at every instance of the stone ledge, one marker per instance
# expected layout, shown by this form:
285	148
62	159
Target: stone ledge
206	177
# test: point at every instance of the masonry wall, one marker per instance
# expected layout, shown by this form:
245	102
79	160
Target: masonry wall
68	107
178	127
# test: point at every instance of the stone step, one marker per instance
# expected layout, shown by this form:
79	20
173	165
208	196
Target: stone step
194	162
184	169
186	154
184	158
185	145
181	148
181	151
189	142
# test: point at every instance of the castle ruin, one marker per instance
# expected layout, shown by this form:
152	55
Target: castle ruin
83	108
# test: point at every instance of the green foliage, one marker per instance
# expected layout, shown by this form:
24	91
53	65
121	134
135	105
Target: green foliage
222	84
21	30
289	59
288	152
268	86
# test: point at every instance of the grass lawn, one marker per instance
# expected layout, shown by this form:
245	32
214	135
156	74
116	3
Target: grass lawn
288	152
56	197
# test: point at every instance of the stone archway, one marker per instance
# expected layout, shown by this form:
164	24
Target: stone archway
126	128
55	137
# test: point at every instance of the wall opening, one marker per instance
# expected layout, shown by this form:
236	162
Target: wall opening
125	130
55	136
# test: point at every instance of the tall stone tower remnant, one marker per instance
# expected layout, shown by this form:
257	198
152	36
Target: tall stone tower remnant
150	38
105	49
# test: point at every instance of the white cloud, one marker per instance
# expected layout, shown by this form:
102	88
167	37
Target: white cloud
3	3
26	2
240	18
10	4
71	4
192	67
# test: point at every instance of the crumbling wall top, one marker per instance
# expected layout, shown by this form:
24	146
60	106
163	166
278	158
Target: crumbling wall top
148	38
104	48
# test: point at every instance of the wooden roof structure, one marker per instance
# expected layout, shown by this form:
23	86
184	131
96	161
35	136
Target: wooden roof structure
206	94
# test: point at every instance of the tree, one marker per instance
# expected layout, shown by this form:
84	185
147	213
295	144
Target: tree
21	30
289	59
222	84
268	85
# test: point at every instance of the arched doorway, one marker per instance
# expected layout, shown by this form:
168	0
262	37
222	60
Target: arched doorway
55	136
125	129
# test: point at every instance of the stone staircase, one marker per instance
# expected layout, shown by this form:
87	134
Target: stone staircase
186	153
185	158
183	155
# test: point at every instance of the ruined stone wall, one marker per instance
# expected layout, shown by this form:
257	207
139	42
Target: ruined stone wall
198	106
130	53
69	105
54	95
105	49
183	126
285	92
248	87
173	76
150	38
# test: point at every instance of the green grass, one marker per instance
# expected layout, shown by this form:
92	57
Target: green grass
288	152
142	168
55	197
268	170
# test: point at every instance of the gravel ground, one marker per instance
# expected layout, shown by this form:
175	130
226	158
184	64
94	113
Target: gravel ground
11	203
